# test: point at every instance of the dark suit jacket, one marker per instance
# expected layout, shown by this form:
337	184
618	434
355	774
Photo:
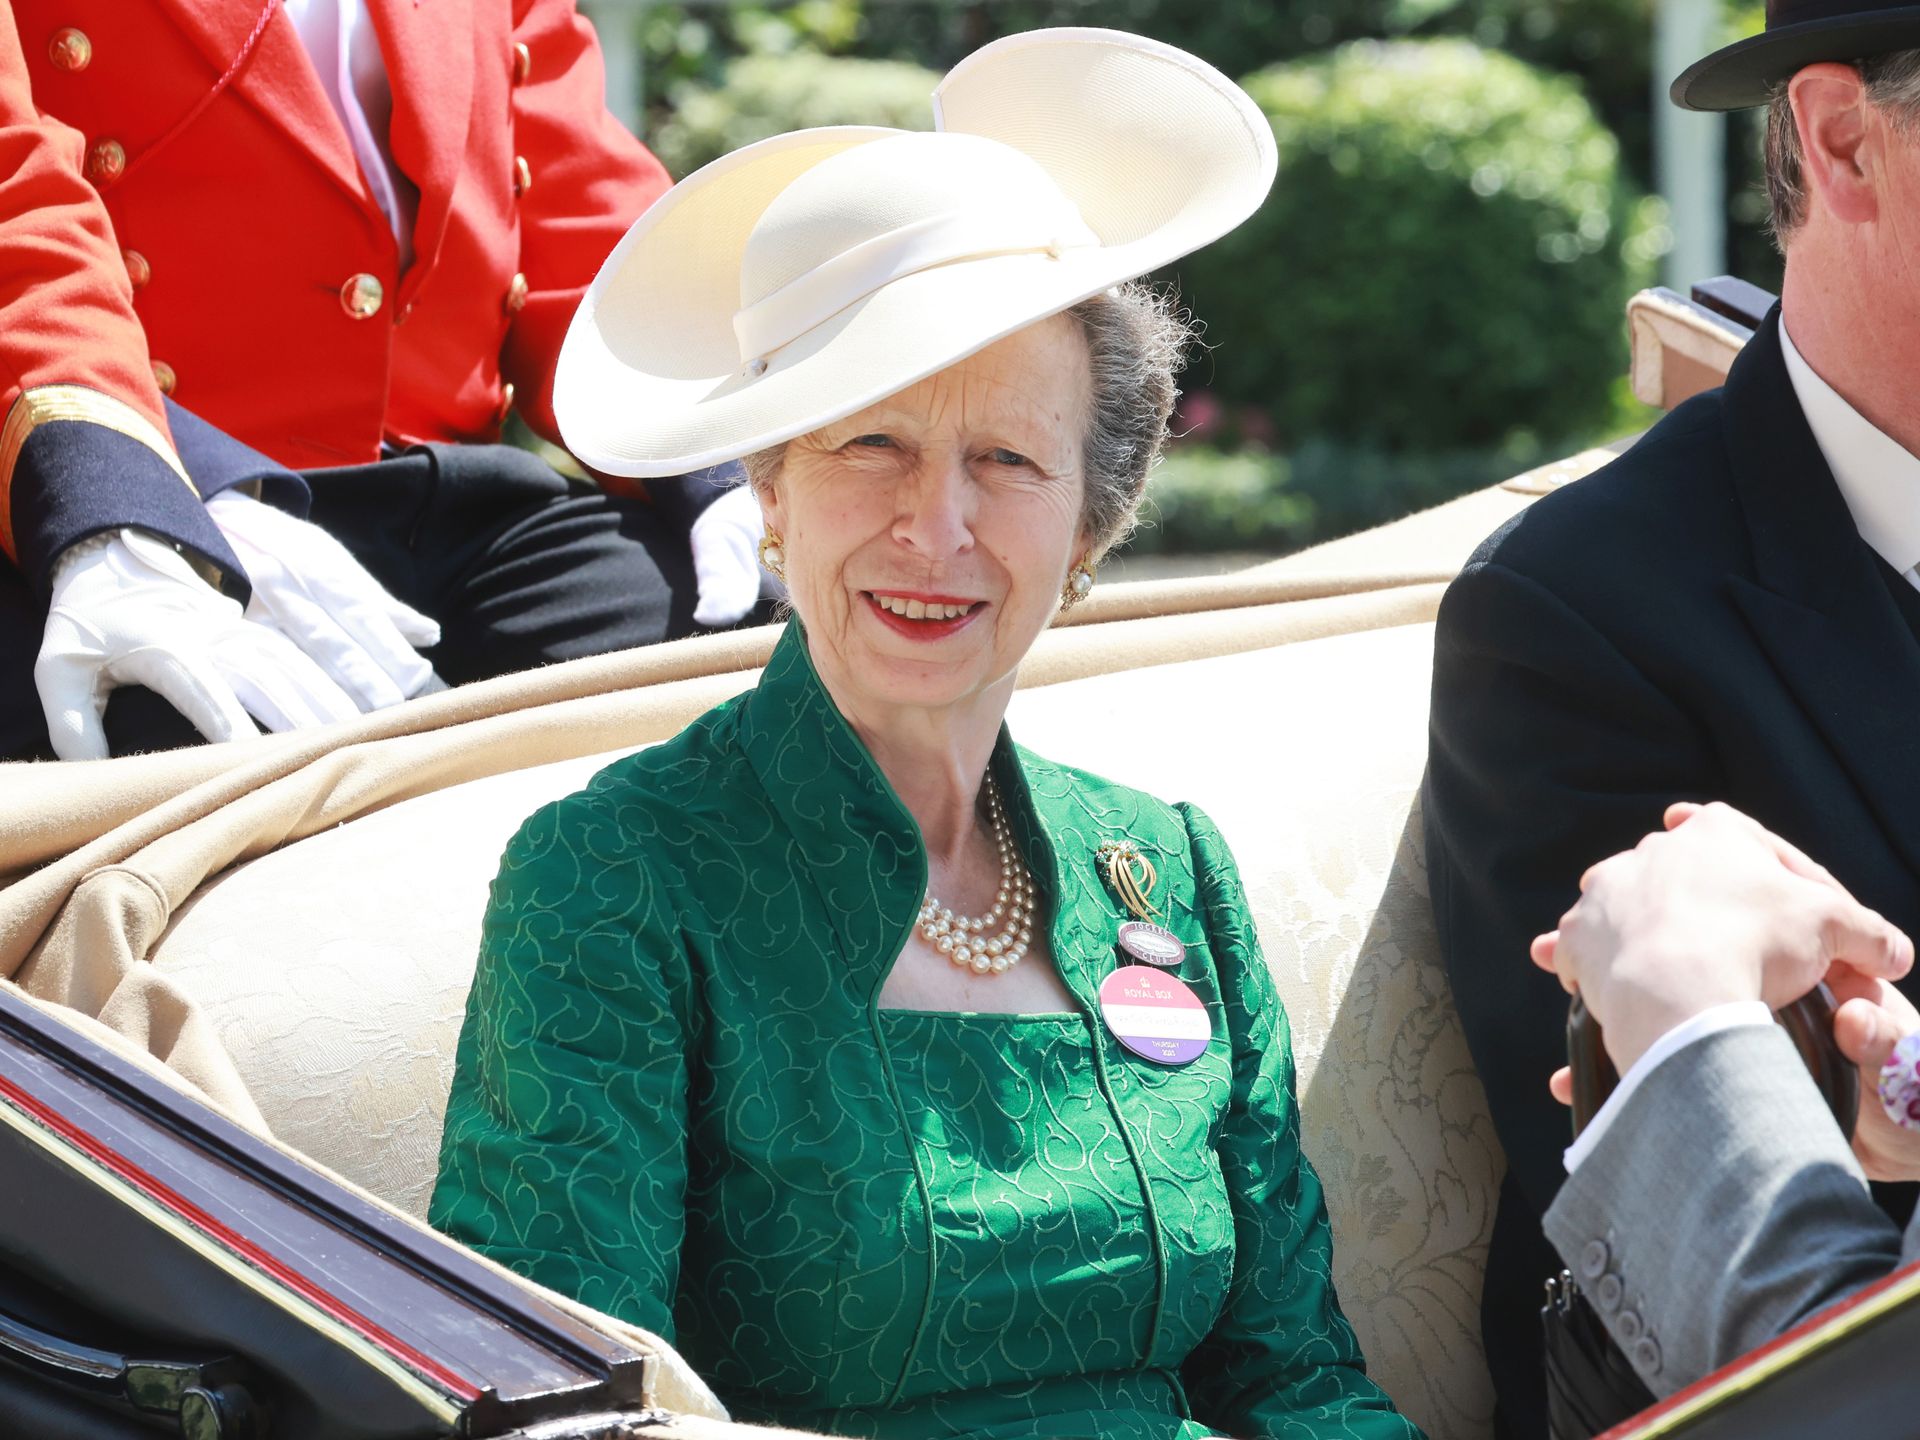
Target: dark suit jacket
1699	620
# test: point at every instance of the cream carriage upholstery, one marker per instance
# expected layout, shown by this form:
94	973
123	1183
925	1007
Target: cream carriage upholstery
290	924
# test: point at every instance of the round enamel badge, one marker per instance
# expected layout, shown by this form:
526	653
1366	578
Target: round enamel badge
1151	944
1155	1016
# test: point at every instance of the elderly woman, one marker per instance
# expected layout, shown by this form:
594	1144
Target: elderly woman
818	1038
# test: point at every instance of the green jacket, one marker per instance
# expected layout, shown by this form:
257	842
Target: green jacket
677	1099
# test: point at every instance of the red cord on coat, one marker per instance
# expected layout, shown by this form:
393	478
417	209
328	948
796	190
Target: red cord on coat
219	87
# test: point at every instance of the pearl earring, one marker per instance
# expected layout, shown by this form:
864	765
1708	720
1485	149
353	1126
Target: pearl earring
773	555
1079	585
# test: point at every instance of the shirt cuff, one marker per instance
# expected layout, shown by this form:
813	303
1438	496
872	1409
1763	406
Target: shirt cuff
1708	1022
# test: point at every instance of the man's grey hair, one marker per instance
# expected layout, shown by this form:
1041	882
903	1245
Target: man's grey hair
1137	338
1893	84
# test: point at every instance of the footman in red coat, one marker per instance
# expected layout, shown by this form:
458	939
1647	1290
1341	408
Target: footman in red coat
273	273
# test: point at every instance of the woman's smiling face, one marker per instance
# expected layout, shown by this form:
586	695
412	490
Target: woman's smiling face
928	536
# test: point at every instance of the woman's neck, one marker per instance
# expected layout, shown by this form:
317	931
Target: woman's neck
936	761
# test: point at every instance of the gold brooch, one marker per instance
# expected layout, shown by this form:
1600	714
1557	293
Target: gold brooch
1133	877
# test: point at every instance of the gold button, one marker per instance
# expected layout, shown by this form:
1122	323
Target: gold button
506	404
164	377
522	175
106	161
70	49
138	270
361	296
522	64
516	293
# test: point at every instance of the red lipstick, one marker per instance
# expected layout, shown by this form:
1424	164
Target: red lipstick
923	628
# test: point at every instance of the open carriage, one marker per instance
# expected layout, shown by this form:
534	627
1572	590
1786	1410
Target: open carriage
238	974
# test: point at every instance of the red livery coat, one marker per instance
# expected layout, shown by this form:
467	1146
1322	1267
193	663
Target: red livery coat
263	278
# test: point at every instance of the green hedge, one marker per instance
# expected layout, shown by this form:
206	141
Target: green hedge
1444	260
766	95
1203	500
1599	38
1606	43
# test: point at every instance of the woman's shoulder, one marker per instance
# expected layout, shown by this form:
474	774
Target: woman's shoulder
1068	797
1196	883
668	793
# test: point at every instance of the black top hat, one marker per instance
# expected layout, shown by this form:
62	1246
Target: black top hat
1799	32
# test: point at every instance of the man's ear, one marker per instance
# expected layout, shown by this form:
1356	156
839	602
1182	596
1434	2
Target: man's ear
1841	134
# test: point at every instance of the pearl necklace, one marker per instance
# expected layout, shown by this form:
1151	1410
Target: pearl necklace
963	939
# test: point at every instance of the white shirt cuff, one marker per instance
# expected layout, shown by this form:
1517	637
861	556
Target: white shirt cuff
1707	1022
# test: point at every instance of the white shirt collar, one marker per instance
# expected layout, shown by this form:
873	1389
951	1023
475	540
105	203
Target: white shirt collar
1878	477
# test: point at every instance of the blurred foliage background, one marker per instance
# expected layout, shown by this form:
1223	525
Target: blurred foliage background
1431	300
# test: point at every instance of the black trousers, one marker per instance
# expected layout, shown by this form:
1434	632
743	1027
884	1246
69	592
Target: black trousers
520	565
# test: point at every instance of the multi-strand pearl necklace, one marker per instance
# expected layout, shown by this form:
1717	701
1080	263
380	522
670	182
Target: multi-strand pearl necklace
964	939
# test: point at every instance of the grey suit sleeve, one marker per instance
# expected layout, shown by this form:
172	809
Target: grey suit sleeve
1721	1208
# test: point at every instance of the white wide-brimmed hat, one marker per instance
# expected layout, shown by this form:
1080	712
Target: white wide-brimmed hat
801	279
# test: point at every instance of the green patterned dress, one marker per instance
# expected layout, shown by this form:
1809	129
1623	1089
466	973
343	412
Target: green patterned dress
676	1098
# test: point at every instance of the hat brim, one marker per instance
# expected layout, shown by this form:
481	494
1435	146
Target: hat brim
629	419
1743	73
1160	152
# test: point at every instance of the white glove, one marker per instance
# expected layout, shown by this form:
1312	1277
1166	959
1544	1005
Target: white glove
726	556
129	610
311	590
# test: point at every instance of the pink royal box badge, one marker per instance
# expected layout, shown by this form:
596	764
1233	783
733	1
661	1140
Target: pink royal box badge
1155	1015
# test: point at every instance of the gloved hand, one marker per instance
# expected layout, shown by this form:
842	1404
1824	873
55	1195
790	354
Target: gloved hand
129	610
726	557
310	589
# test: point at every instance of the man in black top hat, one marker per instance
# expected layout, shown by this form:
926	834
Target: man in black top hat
1729	611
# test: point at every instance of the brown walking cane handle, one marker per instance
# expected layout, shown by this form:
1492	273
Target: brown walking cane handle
1808	1022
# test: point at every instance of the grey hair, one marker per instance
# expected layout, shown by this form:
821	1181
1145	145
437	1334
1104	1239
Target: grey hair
1893	84
1137	338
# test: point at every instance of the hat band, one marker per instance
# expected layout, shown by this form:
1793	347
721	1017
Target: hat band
821	293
